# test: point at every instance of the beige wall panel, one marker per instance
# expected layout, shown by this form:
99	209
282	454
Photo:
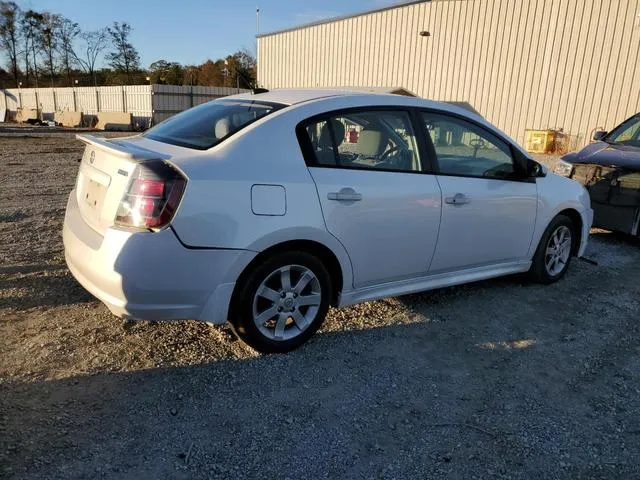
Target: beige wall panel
633	75
601	93
515	64
570	64
567	72
617	80
504	52
582	71
557	61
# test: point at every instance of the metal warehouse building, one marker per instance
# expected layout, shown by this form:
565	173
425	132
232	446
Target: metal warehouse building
538	64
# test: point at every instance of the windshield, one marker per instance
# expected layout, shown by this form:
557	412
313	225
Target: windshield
208	124
627	133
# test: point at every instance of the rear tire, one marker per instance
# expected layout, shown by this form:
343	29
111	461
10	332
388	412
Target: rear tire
282	302
554	252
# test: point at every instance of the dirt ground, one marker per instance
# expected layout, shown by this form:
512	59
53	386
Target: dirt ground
498	379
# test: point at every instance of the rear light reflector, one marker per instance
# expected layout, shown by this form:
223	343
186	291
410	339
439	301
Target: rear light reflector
152	198
147	187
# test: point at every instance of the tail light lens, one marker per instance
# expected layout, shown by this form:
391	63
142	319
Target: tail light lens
152	197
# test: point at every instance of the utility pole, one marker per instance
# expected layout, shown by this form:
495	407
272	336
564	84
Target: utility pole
257	33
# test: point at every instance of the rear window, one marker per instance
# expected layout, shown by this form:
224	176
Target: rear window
208	124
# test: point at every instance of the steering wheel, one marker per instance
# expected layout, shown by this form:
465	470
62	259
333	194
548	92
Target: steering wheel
384	156
477	144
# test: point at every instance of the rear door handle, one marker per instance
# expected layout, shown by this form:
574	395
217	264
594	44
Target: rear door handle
345	195
457	199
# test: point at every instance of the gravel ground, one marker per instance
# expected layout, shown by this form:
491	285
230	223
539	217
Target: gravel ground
498	379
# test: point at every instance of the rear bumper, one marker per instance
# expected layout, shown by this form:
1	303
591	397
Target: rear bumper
151	275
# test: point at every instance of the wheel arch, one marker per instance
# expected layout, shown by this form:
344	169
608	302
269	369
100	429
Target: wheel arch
325	254
576	219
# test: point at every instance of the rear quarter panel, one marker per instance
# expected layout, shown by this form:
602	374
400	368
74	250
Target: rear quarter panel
217	212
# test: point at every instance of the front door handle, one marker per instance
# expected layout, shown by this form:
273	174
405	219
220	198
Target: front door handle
457	199
347	194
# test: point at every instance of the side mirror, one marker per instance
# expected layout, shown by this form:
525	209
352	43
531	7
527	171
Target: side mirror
534	169
599	135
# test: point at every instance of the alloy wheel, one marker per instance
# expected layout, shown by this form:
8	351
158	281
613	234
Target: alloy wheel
286	302
558	250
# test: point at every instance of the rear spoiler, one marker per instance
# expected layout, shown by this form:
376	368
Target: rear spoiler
122	148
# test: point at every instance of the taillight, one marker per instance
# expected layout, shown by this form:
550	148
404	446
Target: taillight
152	197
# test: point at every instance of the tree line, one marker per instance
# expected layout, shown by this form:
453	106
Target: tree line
44	49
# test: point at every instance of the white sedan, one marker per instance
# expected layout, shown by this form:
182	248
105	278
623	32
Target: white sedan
266	209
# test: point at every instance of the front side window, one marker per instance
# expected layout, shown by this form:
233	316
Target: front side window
378	140
627	133
206	125
465	149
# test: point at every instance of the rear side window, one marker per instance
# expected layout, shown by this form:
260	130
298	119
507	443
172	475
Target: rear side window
207	125
368	139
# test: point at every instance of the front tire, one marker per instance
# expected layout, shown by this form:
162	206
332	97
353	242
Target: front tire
554	252
282	302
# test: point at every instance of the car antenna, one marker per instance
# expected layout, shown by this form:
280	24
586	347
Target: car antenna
260	90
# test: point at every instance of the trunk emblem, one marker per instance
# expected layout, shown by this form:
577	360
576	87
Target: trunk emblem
92	157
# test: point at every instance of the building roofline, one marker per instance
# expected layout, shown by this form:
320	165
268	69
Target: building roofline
342	17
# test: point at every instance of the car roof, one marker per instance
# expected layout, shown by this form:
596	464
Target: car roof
293	96
296	97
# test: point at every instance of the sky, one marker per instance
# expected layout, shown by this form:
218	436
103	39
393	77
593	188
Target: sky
192	31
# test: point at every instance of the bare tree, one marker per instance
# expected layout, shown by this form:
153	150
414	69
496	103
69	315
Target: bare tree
49	40
31	24
125	58
244	68
93	44
9	34
67	33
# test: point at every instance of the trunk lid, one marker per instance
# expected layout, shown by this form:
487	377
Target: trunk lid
103	177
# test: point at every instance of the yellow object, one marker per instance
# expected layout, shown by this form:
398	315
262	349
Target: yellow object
540	141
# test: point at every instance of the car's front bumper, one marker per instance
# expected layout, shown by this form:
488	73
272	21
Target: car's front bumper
151	275
586	228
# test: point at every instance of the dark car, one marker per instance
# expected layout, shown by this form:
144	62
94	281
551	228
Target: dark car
610	170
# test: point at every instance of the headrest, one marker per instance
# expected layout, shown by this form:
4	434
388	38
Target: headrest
370	143
236	120
338	130
222	129
325	135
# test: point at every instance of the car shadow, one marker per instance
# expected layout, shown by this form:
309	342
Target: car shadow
483	377
204	419
342	407
29	286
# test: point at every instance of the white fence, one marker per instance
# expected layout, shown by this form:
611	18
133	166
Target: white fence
148	104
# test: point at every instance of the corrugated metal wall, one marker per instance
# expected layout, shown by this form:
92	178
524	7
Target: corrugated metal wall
134	99
570	64
142	101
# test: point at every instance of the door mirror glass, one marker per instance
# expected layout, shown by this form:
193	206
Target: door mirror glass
534	169
599	135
